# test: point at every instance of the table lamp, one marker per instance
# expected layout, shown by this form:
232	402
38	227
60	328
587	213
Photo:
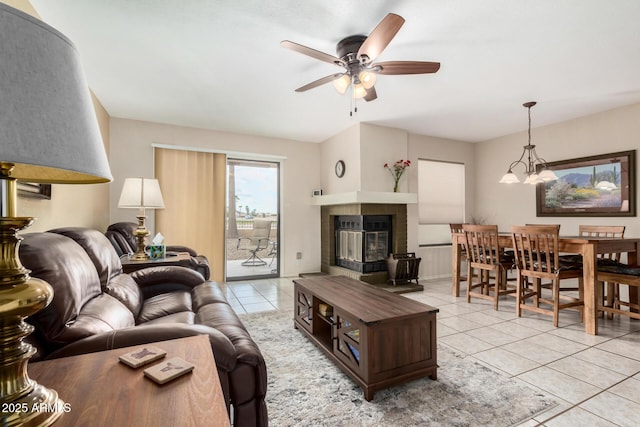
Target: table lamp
48	134
141	193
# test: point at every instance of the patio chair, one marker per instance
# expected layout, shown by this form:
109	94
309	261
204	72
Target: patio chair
258	241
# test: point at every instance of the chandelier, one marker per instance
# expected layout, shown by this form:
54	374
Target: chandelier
531	164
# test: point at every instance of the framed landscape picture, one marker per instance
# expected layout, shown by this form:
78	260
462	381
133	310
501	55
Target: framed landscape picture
601	185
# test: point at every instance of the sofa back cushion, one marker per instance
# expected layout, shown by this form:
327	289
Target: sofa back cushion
121	237
105	259
79	308
126	290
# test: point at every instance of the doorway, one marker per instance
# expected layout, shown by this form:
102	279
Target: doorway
252	220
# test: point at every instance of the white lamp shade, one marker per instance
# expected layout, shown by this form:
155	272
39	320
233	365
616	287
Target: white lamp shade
359	91
141	193
509	178
342	84
533	179
547	175
48	126
367	78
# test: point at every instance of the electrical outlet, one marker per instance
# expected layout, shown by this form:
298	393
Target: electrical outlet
298	255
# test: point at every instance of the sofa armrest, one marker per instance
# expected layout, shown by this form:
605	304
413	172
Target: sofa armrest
165	275
178	248
223	350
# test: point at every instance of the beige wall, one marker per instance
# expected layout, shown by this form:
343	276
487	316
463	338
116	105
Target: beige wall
380	145
70	205
436	262
131	155
506	205
344	146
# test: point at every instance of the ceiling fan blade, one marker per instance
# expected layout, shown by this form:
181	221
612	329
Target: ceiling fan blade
381	36
406	67
371	94
320	82
311	52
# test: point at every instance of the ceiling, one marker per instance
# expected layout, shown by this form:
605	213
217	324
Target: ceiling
218	64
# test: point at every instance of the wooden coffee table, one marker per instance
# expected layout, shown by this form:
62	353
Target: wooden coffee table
376	337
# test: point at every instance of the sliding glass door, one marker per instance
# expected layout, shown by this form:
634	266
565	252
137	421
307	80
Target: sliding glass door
252	226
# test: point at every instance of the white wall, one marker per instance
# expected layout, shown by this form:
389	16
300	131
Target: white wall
506	205
132	155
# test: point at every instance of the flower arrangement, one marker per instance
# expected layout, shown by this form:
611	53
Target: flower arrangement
397	169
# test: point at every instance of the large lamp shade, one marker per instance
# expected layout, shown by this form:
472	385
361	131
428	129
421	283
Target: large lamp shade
48	126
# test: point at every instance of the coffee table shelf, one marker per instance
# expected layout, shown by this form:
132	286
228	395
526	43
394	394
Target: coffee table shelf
376	337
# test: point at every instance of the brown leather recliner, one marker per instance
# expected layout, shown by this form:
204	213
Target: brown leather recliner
97	307
121	236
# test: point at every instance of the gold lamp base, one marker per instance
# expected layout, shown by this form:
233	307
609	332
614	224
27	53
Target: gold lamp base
23	401
140	234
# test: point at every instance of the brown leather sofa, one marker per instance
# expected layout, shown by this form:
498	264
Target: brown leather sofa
97	307
120	234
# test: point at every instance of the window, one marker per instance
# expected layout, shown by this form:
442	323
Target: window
440	200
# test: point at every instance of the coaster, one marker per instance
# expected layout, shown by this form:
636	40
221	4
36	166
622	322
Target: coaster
168	370
142	356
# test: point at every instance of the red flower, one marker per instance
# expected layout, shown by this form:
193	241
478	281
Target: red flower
397	170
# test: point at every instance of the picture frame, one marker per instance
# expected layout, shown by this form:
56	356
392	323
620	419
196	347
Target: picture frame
602	185
34	191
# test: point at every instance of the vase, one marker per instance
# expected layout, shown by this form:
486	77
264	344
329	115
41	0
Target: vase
395	187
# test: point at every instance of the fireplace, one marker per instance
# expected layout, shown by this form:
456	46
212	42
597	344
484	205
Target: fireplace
362	242
359	224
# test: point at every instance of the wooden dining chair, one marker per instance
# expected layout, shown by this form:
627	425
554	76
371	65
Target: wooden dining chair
457	229
619	274
537	258
612	288
485	255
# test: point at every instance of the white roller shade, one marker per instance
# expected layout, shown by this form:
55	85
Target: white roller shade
440	192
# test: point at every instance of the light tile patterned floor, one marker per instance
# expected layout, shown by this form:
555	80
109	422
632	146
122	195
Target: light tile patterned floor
596	379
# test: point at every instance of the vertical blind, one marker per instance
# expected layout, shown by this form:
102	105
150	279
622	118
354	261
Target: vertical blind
193	186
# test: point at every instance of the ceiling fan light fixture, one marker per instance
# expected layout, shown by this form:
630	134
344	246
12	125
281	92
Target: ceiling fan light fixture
367	78
359	91
342	84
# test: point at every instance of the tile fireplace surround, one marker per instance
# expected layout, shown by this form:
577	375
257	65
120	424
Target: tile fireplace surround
398	213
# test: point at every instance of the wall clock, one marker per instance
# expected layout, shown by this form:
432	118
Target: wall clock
340	168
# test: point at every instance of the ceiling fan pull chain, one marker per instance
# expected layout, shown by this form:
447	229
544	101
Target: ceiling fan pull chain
351	98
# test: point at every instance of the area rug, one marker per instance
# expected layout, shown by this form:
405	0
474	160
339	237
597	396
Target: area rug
306	388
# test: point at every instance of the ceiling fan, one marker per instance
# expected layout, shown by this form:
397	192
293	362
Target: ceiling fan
356	55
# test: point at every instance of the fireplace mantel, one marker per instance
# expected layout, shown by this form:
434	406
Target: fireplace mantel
365	197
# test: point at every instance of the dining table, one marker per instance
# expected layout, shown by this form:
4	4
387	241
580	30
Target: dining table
587	246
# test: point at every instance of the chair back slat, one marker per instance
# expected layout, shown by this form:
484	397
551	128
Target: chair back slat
481	243
456	228
536	249
603	231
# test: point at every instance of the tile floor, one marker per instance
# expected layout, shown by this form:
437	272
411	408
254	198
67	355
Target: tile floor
596	379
